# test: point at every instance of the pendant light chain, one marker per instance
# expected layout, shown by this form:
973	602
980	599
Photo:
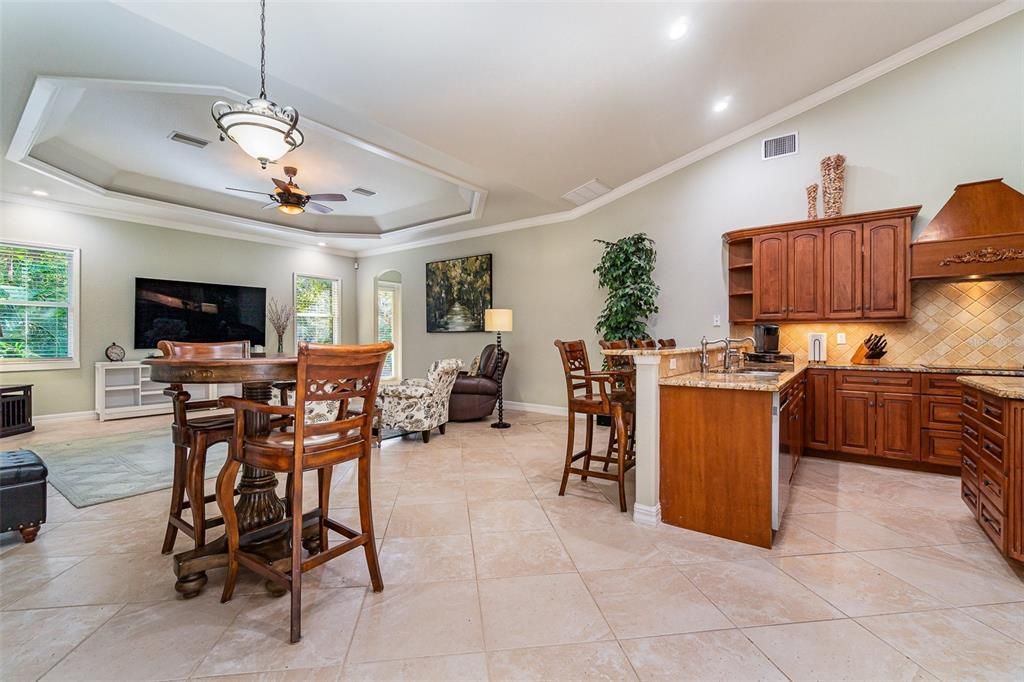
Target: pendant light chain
263	49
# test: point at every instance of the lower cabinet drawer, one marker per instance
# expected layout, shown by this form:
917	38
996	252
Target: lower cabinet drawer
992	449
969	494
941	412
940	447
992	483
893	382
992	523
970	467
971	401
970	433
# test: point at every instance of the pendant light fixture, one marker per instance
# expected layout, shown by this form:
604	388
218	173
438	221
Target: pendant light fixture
264	130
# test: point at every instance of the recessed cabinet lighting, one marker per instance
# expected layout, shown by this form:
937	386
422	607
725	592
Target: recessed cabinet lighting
721	105
321	243
678	28
40	193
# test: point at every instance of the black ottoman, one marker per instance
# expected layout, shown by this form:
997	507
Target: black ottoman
22	493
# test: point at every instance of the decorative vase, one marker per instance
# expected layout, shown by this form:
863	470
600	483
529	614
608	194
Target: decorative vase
280	343
812	201
833	173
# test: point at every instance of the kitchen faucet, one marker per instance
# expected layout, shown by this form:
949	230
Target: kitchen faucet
730	352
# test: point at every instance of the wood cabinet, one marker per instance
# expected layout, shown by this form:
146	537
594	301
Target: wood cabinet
846	268
842	260
805	290
992	475
891	415
818	413
770	281
886	273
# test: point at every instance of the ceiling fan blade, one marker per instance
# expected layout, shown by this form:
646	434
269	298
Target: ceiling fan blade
319	208
282	185
328	197
272	204
250	191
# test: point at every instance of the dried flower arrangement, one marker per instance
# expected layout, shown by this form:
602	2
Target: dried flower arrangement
280	316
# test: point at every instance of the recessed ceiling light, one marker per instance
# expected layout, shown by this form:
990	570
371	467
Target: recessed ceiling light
721	105
321	243
40	193
678	28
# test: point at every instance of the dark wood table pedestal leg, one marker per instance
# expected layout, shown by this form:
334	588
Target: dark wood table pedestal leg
260	512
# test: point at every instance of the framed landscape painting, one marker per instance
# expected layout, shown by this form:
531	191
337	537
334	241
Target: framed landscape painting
458	293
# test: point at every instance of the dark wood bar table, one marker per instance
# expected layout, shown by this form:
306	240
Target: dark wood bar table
260	510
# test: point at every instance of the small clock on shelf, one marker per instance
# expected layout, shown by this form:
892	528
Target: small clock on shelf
114	352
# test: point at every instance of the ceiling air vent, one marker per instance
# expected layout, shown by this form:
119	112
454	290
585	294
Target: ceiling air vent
587	192
783	145
190	140
363	191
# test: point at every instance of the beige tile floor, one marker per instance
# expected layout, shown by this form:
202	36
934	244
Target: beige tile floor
878	574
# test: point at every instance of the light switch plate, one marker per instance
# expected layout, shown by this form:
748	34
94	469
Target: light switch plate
841	338
672	363
716	321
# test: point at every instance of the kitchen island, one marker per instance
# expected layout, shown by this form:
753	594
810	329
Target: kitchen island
730	444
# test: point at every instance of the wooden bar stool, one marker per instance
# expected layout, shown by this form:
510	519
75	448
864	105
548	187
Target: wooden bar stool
645	343
615	397
192	438
666	343
324	373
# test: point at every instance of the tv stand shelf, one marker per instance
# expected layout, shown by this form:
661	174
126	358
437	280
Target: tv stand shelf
123	390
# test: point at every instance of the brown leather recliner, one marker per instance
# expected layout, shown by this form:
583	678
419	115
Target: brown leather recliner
474	397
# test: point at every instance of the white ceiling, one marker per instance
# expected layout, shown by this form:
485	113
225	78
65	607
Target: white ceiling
525	101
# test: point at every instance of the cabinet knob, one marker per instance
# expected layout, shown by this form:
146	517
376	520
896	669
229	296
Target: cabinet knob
874	381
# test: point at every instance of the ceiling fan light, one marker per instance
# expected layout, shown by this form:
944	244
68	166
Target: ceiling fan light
291	209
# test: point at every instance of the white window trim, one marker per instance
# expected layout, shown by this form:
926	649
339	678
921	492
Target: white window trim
396	328
74	316
337	306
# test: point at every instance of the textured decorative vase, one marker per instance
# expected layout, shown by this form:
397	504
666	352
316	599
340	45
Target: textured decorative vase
812	201
833	173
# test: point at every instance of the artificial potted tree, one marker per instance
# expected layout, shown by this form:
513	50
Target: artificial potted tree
626	270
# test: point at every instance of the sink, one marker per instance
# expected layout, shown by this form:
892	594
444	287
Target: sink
749	374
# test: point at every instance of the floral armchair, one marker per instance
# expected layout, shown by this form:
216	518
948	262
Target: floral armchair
419	404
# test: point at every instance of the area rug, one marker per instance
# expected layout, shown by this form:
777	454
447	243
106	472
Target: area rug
96	470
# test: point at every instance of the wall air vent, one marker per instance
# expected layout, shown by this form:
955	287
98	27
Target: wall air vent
587	192
363	191
190	140
783	145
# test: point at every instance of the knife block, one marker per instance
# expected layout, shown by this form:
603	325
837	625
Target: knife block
860	357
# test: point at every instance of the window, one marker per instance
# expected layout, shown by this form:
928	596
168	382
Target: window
389	325
316	309
38	307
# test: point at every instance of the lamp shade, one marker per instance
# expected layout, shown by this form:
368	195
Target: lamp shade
498	320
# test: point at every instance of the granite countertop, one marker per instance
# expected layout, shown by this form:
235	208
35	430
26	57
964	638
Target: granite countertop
1012	381
649	351
1003	386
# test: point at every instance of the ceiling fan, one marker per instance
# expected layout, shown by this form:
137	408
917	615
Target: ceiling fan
289	198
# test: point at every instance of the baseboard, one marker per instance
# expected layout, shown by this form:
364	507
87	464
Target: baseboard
644	515
537	407
88	415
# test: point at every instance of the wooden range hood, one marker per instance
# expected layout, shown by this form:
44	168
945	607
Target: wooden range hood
978	233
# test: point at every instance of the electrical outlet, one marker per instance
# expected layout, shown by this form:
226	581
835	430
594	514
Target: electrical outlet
716	321
841	338
672	363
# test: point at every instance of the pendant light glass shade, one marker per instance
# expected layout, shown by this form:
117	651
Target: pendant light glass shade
263	130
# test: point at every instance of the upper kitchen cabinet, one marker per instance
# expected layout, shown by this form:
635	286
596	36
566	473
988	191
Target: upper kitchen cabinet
851	267
886	275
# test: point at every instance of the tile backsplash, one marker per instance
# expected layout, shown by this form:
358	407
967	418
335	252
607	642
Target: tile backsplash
952	323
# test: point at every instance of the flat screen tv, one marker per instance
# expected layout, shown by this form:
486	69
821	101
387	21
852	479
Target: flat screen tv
195	311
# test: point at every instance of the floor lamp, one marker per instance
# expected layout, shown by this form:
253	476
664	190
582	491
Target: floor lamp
499	320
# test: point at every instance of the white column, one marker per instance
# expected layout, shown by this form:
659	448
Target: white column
647	509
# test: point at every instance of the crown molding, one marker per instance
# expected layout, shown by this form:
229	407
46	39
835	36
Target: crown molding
841	87
156	221
45	90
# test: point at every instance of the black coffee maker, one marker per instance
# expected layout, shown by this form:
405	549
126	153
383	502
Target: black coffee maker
766	338
766	349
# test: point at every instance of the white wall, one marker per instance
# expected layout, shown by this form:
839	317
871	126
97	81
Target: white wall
115	252
954	116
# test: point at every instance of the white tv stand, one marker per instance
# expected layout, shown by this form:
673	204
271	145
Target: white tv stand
124	389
